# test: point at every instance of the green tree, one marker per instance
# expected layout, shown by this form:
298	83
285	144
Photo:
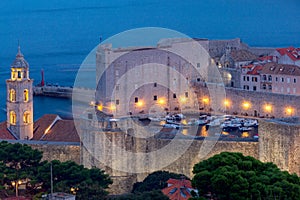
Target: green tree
234	176
155	181
71	177
18	162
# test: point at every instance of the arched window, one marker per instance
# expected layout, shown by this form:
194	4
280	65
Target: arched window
25	95
269	78
26	117
12	95
12	117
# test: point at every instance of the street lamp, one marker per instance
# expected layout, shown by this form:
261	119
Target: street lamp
16	185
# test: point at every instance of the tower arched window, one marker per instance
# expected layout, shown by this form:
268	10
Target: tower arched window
26	97
26	117
12	117
12	95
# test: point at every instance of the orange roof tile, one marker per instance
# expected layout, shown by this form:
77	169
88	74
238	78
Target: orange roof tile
292	52
274	68
255	70
41	125
178	189
60	130
4	132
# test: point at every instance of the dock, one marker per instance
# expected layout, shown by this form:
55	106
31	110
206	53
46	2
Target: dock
77	94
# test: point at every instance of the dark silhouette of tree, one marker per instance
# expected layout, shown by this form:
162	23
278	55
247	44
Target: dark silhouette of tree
155	181
234	176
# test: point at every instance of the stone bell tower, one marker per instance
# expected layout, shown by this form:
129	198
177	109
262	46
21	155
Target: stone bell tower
19	100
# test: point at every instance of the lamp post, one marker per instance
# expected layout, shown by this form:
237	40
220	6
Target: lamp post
16	185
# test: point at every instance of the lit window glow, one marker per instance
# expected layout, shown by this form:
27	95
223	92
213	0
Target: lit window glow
246	105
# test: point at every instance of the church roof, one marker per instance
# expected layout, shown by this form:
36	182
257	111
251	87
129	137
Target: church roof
178	189
20	61
52	128
4	132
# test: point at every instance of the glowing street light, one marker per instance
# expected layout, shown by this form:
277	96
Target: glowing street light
289	110
226	103
246	105
161	101
140	103
205	100
16	185
182	99
268	107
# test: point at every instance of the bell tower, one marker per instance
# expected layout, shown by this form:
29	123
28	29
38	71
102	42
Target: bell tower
19	104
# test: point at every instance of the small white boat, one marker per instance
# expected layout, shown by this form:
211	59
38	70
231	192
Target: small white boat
250	122
245	128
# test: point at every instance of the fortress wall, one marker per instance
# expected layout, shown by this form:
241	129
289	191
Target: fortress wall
258	101
59	152
279	143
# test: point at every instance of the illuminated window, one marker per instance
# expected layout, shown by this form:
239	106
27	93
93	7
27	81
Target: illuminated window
25	95
12	95
12	117
26	117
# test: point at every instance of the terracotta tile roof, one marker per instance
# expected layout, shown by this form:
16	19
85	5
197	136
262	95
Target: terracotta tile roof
255	70
178	189
274	68
4	133
242	55
293	53
248	66
41	125
61	130
266	58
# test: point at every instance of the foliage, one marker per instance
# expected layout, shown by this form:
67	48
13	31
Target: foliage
21	162
17	162
71	177
149	195
234	176
155	181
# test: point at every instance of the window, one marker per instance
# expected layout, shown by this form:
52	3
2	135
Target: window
264	87
276	79
295	80
288	80
269	78
186	94
117	102
248	78
26	117
155	97
19	74
282	79
118	87
155	84
270	87
26	95
12	95
264	77
244	78
174	96
198	79
198	65
254	88
254	79
12	117
136	99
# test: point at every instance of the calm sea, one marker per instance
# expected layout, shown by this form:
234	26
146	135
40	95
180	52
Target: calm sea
57	35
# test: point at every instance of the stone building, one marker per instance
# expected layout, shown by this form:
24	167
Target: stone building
20	99
289	55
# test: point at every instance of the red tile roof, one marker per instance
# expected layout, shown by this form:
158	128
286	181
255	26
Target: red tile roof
242	55
266	58
41	125
274	68
255	70
61	130
4	132
178	189
293	53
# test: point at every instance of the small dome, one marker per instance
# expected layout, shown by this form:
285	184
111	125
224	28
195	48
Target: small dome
20	62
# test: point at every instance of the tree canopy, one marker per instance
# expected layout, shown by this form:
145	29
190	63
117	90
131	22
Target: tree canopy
21	162
155	181
234	176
